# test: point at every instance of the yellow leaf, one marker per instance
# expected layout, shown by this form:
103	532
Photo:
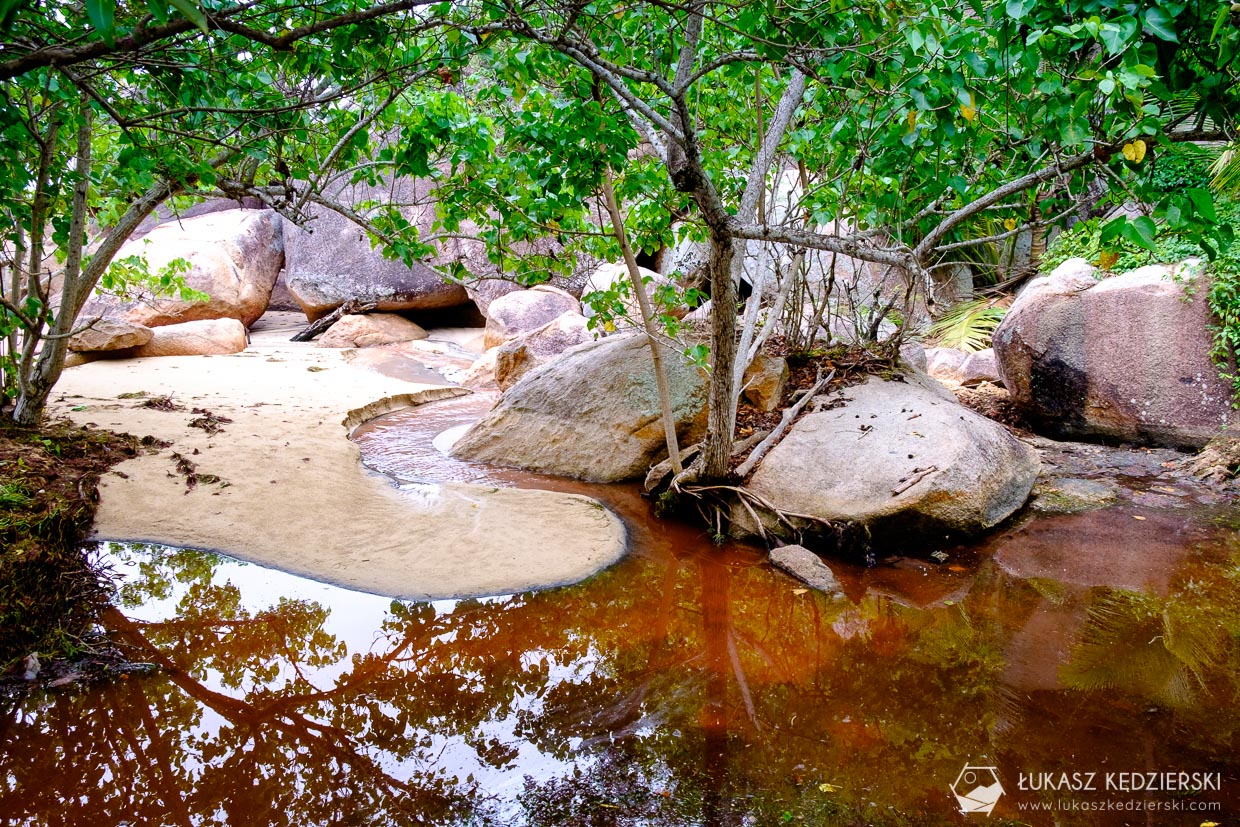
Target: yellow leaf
1134	151
829	788
1009	224
609	326
1209	824
1137	517
912	119
799	591
1107	260
969	110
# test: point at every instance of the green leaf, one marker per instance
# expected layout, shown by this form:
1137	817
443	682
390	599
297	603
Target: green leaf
1112	230
102	17
8	13
1160	24
1204	203
1019	9
1141	231
159	10
191	11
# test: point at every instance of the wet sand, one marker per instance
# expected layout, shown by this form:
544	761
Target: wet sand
292	493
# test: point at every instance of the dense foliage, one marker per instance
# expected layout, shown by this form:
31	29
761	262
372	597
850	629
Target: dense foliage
777	139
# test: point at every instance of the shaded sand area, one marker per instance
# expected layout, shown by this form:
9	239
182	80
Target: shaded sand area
291	491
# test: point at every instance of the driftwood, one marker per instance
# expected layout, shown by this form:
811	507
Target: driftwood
352	307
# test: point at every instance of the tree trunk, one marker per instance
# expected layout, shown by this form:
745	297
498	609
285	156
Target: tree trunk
37	384
643	303
40	377
721	419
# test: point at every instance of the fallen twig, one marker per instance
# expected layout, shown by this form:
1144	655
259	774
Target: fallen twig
912	479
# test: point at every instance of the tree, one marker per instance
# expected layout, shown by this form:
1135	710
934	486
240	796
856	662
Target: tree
109	111
916	132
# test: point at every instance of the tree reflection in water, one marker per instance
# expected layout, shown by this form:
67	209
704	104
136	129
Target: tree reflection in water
700	689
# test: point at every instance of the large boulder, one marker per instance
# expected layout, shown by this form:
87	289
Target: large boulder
234	257
615	276
206	337
109	334
331	260
517	357
486	290
593	413
763	383
165	212
525	310
370	330
900	457
1124	358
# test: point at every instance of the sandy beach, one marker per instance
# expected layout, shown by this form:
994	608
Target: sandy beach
292	492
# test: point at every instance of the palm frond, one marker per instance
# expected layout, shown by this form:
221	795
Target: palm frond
969	325
1226	171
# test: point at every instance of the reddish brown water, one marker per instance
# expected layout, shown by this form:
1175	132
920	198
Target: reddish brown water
689	684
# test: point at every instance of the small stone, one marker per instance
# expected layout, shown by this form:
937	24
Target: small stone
807	567
31	666
764	382
1072	496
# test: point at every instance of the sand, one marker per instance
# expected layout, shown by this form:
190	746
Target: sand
293	493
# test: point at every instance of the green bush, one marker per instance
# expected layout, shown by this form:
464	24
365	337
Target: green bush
1180	167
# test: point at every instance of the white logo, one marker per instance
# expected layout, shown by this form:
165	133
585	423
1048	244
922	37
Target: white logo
977	789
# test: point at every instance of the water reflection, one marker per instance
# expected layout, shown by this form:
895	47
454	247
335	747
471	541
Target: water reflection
686	685
692	689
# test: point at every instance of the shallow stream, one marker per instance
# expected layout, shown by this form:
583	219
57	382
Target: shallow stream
688	684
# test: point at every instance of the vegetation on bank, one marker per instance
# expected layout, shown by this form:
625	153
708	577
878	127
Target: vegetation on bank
1187	171
50	594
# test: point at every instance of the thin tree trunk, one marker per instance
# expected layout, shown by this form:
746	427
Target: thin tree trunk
643	302
38	382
